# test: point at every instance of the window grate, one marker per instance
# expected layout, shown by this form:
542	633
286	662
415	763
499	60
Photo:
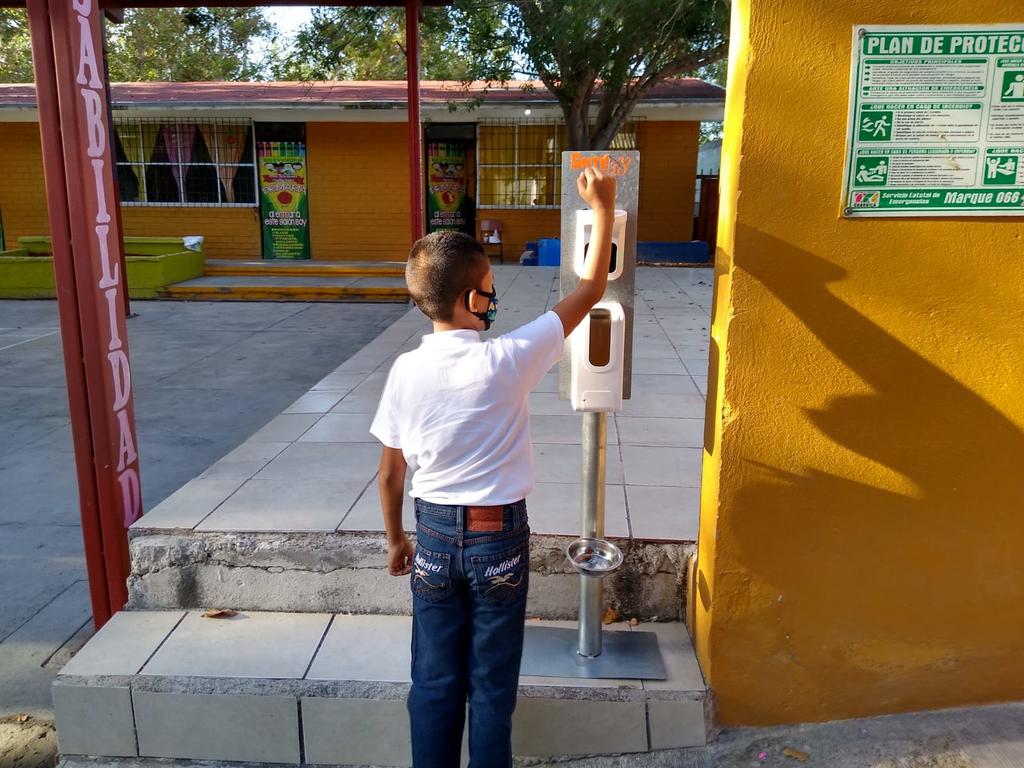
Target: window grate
192	163
519	162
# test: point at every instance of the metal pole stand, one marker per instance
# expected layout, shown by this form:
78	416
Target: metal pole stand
589	652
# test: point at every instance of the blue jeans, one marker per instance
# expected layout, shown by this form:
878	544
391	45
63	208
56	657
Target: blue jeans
468	609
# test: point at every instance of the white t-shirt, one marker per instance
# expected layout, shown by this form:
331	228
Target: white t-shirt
457	407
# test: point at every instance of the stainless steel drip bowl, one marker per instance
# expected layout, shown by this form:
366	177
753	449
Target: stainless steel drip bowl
594	557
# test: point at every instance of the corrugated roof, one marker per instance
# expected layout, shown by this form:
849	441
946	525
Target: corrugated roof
347	93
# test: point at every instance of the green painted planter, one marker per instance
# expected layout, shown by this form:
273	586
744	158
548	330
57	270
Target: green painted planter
26	276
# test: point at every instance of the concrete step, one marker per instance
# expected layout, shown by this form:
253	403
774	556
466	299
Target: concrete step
309	688
305	268
289	287
345	571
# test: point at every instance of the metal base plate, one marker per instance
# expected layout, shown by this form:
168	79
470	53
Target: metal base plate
552	652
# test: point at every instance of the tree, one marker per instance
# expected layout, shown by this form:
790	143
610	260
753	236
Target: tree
15	49
186	44
616	50
456	43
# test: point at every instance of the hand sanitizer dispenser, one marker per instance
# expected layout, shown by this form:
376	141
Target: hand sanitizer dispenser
597	359
584	231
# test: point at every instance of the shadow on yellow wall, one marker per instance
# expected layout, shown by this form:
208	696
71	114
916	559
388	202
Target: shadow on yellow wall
930	577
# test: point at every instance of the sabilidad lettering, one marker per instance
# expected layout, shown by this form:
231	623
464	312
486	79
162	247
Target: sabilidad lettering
504	565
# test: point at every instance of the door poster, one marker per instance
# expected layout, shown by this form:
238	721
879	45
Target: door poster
284	204
448	203
936	122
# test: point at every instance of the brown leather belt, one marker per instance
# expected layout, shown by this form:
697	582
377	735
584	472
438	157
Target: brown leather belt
485	518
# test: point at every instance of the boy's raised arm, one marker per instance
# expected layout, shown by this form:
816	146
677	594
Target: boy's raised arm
598	191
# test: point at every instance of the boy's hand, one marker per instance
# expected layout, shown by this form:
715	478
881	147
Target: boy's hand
400	554
596	189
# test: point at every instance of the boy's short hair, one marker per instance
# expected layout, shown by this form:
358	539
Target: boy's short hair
441	267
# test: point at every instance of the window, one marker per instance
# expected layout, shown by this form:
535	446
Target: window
519	163
185	163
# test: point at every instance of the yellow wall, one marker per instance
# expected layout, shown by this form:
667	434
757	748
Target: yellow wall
230	233
22	195
358	191
861	542
359	196
668	169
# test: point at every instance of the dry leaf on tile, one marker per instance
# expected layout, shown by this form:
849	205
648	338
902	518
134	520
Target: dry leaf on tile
796	754
220	613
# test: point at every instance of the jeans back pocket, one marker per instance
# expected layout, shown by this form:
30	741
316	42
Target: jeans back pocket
431	579
503	578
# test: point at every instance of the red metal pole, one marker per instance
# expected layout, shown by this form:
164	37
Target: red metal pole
78	167
412	63
67	304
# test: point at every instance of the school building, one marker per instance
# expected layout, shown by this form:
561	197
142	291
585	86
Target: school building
320	170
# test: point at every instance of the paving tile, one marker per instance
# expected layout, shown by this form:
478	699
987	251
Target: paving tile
549	383
365	401
565	429
365	648
340	381
246	460
664	384
697	366
549	404
356	732
94	720
676	724
316	401
286	505
238	727
253	644
664	514
681	433
186	507
327	461
681	667
285	428
658	365
557	463
646	465
554	508
340	428
123	644
672	406
547	727
366	515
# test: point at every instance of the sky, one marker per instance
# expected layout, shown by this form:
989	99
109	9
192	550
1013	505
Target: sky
288	18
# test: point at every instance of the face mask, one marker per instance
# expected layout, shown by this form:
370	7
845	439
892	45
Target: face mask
492	307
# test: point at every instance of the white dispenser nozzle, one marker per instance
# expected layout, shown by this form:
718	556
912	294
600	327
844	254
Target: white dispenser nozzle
597	359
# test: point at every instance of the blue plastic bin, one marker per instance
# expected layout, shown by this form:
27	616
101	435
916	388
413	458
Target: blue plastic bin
549	253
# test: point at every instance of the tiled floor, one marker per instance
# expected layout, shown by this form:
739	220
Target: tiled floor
247	673
313	467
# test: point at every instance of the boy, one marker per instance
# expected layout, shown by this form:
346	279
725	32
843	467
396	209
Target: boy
456	410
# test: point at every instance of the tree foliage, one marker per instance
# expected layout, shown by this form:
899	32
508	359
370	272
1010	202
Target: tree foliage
616	50
186	44
456	43
15	48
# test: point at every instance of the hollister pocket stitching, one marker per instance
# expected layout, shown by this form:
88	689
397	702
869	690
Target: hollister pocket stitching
503	578
431	580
